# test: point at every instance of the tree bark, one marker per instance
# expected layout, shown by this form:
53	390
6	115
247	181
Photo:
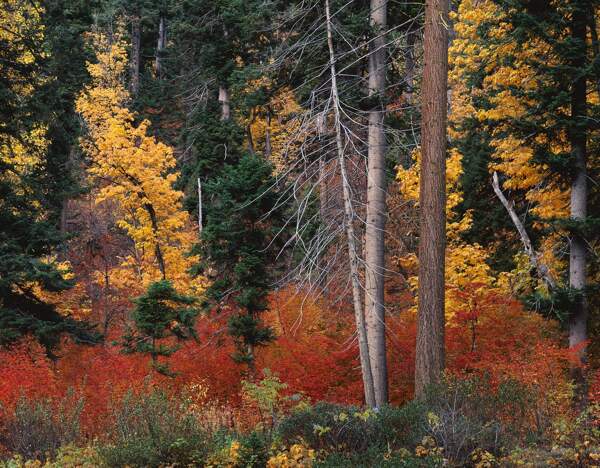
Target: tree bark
161	44
200	220
268	149
349	219
409	64
578	251
135	53
430	352
376	206
224	100
540	269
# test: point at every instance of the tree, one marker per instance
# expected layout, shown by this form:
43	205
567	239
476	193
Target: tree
359	313
376	205
432	230
160	313
135	172
29	170
539	116
238	247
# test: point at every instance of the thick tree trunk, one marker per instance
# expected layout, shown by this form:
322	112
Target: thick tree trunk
578	250
376	207
349	219
135	53
224	100
161	44
430	353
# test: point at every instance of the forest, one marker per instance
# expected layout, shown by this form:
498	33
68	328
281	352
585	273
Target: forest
299	233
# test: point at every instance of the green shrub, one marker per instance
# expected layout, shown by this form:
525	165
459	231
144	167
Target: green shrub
152	430
348	429
240	450
36	429
254	450
466	414
380	459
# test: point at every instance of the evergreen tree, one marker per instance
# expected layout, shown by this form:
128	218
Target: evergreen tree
160	313
33	149
238	248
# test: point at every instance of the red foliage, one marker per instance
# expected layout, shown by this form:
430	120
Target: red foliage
315	354
25	371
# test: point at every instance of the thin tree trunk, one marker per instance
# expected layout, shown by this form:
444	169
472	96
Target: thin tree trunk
350	236
135	53
200	220
540	269
268	149
224	100
430	353
578	252
376	206
162	43
409	64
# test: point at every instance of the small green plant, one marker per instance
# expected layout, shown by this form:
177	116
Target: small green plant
267	395
347	429
36	429
152	430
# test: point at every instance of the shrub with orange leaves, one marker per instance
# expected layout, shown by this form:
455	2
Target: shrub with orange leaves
26	371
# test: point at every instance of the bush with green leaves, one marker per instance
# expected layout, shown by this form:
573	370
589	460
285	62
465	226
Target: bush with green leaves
152	430
465	414
380	459
37	428
349	429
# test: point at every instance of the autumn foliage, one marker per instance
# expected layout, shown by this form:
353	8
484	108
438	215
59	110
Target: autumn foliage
315	355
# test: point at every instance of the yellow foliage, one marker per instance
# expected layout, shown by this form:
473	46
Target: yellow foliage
465	263
136	173
298	456
513	157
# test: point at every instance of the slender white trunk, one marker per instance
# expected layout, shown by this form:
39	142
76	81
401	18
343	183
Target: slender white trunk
200	220
349	218
376	206
578	333
224	100
134	63
161	44
534	259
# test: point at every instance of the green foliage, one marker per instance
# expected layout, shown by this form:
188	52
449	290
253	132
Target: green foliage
152	430
466	414
30	201
159	314
237	247
351	430
37	429
378	458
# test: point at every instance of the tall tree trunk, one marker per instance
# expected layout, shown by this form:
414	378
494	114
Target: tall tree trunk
224	100
349	219
432	199
578	251
161	44
268	149
135	53
376	206
409	64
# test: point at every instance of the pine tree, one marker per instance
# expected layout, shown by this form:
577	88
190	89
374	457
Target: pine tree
160	313
30	170
238	247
